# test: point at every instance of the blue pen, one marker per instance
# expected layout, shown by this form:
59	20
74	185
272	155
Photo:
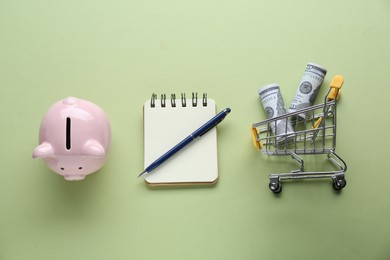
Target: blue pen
198	133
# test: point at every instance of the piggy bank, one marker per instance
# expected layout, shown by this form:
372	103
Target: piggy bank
74	138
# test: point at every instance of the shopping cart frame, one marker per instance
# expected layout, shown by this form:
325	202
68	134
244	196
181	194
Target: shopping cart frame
314	133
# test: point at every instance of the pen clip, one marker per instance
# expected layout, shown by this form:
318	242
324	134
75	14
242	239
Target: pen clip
211	124
211	127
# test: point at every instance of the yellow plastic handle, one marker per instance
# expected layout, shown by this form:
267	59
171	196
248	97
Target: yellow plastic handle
254	137
335	85
337	82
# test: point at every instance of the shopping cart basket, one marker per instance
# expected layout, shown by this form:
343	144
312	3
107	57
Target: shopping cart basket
314	133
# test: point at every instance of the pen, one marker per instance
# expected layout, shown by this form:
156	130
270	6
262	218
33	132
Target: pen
198	133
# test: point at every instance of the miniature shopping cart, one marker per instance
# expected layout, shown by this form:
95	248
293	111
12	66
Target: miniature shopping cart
314	133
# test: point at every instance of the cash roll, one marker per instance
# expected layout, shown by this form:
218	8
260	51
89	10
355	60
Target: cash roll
272	101
308	87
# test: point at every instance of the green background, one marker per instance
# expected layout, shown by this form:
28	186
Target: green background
117	53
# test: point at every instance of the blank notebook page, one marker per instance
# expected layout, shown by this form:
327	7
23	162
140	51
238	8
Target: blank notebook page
164	127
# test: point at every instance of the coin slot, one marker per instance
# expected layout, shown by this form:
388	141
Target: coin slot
68	135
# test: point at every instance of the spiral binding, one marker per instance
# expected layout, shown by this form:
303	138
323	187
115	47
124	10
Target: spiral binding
173	100
183	99
163	100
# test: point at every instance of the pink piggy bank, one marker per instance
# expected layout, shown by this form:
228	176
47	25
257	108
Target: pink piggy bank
74	138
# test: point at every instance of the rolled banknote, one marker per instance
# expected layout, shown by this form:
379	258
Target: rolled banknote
273	104
308	87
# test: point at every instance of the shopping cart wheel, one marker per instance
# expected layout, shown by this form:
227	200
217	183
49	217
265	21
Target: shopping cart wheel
339	182
275	186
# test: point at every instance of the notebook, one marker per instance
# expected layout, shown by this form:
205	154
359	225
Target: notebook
167	121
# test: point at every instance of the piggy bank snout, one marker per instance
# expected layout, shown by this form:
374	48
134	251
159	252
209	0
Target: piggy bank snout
72	173
74	177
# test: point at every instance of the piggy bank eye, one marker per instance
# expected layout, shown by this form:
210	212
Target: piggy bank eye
62	168
80	168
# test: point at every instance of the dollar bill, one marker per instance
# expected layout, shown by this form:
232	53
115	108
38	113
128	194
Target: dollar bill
308	87
273	104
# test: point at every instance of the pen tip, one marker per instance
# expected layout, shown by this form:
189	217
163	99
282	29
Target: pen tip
142	173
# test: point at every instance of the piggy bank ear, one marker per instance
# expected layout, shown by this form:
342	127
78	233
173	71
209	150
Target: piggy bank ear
93	148
43	150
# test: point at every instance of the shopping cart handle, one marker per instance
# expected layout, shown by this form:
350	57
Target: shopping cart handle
335	85
337	82
255	135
